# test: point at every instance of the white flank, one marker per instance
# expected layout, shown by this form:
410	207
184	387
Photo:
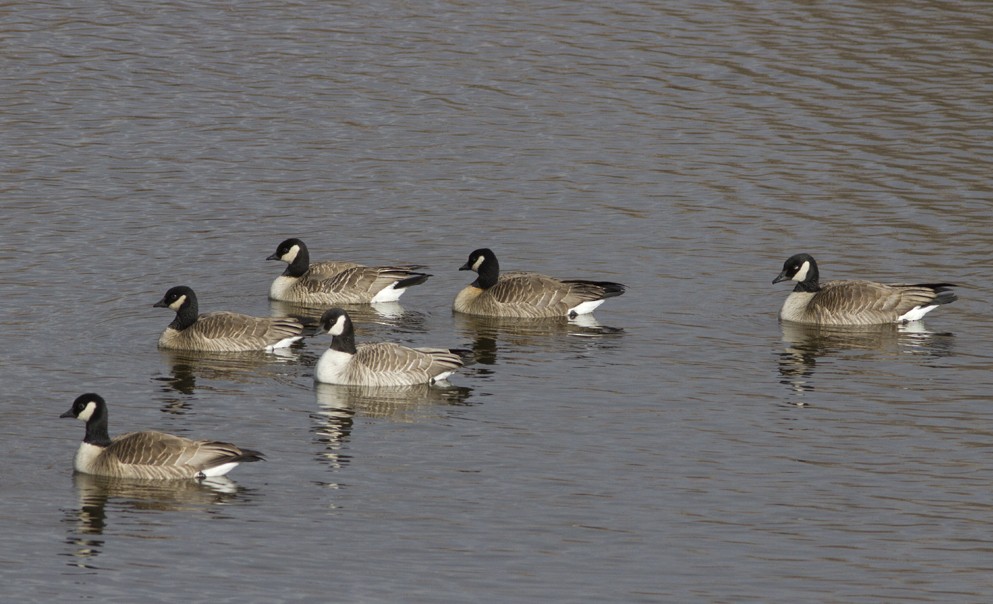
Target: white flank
916	313
388	294
585	307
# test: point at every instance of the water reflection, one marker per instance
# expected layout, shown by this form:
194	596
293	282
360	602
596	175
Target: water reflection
123	496
186	368
542	334
310	315
805	344
339	405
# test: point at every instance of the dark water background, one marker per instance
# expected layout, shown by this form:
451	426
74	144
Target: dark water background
700	453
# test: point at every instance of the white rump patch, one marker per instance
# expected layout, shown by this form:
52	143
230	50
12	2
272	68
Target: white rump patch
585	307
441	377
916	313
220	470
801	275
284	343
389	293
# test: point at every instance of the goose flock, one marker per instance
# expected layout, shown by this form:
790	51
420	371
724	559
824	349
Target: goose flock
511	295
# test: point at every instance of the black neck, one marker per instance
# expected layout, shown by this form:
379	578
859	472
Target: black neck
300	264
186	315
810	284
489	274
96	428
346	341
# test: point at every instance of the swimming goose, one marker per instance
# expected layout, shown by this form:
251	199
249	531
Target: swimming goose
221	331
325	283
527	295
854	302
147	455
379	364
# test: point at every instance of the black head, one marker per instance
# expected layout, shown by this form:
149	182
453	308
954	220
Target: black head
478	258
800	268
288	250
177	298
336	322
87	406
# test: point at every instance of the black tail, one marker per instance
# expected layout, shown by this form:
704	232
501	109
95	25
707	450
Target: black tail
249	455
942	292
417	279
609	289
468	356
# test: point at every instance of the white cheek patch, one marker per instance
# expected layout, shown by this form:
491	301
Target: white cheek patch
339	326
478	263
801	275
291	255
178	303
87	412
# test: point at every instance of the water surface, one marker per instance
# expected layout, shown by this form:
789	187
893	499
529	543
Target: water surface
685	447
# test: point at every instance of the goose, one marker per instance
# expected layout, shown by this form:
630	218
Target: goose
527	295
379	364
325	283
854	302
221	331
147	455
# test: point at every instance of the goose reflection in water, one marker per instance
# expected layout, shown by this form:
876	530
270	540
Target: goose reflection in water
530	334
805	344
127	500
340	405
365	313
187	368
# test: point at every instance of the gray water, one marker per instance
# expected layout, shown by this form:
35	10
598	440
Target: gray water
686	448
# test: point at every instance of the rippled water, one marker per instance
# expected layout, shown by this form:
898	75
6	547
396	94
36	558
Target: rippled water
685	448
